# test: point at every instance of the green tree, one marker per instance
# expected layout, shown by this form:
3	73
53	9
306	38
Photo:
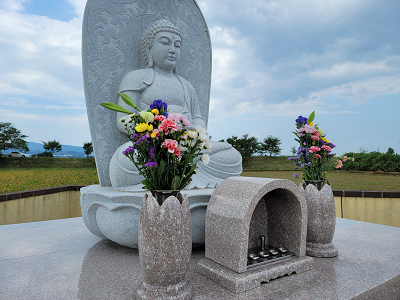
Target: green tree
11	138
271	145
390	150
247	146
88	147
52	146
293	150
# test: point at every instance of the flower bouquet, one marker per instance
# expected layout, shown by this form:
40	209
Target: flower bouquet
314	155
163	149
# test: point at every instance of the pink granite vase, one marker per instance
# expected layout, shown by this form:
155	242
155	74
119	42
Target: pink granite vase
321	219
165	246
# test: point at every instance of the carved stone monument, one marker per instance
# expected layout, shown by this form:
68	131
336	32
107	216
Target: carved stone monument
156	49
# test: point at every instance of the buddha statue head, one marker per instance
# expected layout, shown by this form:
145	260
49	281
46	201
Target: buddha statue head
160	46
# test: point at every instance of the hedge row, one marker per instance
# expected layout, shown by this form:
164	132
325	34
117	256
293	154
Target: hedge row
373	161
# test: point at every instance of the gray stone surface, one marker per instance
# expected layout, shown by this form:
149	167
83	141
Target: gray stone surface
165	247
321	221
115	215
111	36
230	213
61	259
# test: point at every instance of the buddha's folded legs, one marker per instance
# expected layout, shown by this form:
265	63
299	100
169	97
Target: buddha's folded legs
225	162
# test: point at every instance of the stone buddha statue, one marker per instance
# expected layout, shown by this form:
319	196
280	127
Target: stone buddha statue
160	49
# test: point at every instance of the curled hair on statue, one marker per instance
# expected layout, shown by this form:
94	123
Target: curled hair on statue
148	39
150	62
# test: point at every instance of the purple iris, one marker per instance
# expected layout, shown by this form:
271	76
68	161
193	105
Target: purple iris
160	106
300	121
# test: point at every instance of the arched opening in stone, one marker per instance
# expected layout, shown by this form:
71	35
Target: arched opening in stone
277	217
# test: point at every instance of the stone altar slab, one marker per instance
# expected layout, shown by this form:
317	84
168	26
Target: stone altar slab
61	259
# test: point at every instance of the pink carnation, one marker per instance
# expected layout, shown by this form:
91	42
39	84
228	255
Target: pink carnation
159	118
344	158
179	117
309	129
166	125
170	144
325	147
317	156
315	138
177	152
314	149
339	164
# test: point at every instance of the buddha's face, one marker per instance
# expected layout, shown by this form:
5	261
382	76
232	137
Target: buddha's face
166	50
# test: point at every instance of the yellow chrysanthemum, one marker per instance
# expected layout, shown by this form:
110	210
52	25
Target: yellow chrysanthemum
155	111
153	135
150	127
324	139
141	127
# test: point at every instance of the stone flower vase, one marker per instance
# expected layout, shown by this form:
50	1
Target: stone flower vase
165	246
321	219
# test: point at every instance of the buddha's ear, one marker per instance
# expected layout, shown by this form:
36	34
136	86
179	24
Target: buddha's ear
150	62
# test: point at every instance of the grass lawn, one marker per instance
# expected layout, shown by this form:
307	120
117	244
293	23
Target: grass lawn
32	179
341	180
21	174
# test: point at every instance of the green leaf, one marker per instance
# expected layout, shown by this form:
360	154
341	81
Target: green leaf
128	101
115	107
175	183
311	117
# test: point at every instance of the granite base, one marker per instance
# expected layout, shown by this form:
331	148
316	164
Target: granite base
61	259
238	283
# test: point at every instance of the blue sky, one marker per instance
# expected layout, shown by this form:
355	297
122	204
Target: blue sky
272	61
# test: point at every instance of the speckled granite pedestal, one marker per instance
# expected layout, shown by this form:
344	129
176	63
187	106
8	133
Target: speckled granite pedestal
165	247
240	210
61	259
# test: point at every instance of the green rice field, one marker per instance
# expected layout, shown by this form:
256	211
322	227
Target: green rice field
21	174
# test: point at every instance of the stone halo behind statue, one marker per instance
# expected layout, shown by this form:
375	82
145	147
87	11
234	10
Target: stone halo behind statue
160	48
111	35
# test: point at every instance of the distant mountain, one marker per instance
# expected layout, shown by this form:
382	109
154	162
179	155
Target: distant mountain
67	150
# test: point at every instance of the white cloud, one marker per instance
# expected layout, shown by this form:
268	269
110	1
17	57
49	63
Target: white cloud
79	6
360	91
40	56
13	4
44	127
350	69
